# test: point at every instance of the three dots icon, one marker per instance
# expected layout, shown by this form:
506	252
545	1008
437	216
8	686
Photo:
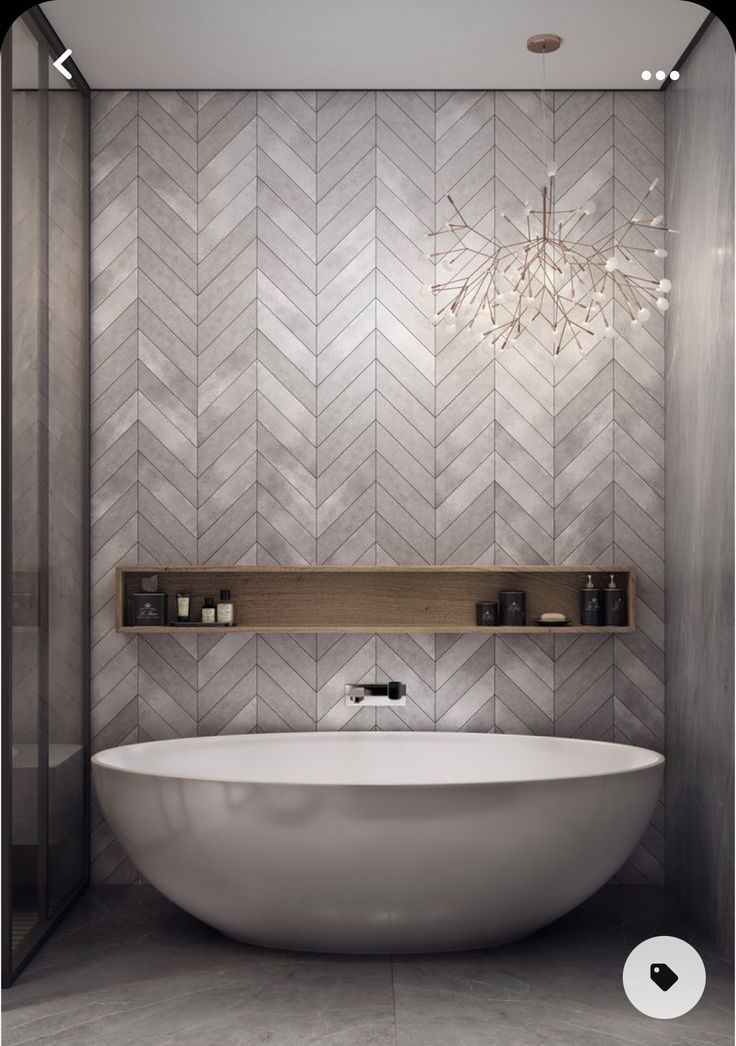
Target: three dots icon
659	75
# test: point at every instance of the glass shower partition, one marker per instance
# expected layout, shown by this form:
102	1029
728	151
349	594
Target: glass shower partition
45	487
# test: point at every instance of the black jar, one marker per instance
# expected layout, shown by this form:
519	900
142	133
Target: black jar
486	614
149	609
512	606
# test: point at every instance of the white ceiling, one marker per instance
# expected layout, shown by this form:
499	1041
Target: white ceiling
371	44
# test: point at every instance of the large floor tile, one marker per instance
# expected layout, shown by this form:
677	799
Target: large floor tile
127	968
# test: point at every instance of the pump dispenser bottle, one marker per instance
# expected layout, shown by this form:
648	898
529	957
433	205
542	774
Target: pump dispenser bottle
614	606
591	603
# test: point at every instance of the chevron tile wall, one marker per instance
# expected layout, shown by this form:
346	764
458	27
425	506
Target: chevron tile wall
269	386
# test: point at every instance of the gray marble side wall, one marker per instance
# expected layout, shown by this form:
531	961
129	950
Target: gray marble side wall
700	522
269	386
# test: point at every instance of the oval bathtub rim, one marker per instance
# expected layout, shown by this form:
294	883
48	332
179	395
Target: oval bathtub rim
656	760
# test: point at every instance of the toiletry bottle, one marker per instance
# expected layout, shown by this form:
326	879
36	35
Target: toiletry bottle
225	609
614	607
183	604
208	611
591	603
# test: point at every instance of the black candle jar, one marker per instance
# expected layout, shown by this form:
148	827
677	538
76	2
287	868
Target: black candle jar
486	614
149	608
512	606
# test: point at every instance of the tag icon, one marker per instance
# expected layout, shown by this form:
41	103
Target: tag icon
659	989
662	975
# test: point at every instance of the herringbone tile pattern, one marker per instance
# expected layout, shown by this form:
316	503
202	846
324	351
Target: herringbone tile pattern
524	379
465	441
270	386
405	361
287	424
226	273
346	327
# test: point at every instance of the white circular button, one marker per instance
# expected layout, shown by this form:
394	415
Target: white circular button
664	977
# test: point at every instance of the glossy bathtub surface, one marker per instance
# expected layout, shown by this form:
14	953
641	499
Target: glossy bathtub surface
378	842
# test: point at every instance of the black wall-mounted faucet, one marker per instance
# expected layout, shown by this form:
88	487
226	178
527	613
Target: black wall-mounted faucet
391	693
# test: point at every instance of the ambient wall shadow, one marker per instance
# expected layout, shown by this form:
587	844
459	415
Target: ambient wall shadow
269	386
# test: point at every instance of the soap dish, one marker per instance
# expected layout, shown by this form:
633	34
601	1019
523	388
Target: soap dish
202	624
552	624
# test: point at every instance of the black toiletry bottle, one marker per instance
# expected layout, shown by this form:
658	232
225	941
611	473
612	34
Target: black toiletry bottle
591	603
512	606
614	607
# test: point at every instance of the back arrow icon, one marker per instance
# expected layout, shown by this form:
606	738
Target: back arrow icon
59	64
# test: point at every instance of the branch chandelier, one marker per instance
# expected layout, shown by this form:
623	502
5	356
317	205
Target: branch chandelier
548	276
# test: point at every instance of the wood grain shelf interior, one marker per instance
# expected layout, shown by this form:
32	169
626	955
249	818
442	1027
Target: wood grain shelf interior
370	599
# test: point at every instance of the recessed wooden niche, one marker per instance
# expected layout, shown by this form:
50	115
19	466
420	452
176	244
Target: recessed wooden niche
370	599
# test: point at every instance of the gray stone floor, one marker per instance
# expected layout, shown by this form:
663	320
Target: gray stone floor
126	968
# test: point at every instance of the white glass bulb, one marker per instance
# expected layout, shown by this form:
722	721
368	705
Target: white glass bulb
658	220
598	296
611	264
653	186
662	304
551	169
608	332
589	207
660	252
425	291
447	264
450	318
635	325
643	315
438	316
665	286
529	300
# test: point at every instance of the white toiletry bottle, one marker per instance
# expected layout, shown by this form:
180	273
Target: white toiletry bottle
225	609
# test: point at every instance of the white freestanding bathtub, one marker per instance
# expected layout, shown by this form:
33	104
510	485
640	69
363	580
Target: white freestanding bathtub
378	842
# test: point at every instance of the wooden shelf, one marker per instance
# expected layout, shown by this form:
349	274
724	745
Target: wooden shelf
369	599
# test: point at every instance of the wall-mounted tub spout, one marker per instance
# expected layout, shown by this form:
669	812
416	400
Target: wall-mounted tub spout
392	693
